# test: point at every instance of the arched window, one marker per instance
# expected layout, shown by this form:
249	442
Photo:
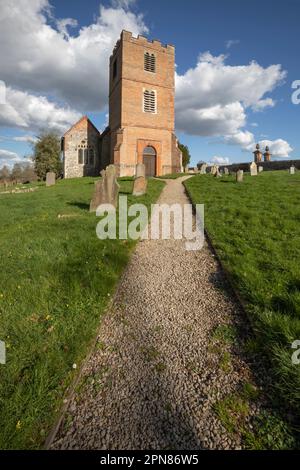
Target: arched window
149	150
80	156
149	62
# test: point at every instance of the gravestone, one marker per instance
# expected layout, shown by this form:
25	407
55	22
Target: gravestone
214	169
50	178
139	186
239	176
203	169
140	170
106	189
253	169
260	169
218	174
292	170
226	171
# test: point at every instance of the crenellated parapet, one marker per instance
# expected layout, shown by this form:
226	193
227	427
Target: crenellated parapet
143	41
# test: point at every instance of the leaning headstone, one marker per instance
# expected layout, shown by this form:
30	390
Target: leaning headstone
214	169
106	189
140	170
226	171
292	170
253	169
260	169
203	169
50	178
139	186
239	176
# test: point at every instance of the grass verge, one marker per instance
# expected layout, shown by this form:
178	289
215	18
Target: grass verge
56	280
254	227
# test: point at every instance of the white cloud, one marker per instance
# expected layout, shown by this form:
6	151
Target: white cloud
45	60
232	42
263	104
62	26
278	148
25	138
220	160
225	91
7	155
26	110
244	139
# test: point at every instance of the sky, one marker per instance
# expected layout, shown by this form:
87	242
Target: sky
236	61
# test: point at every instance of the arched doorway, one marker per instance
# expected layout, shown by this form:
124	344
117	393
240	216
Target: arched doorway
149	160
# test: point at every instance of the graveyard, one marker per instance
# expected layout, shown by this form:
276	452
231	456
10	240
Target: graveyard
150	243
59	278
254	228
63	279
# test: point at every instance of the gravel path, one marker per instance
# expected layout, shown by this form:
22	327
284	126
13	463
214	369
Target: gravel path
153	377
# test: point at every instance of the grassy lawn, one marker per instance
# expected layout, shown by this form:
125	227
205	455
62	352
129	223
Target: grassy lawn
56	279
255	228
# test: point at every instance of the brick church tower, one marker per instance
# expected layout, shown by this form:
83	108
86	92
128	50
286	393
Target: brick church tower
141	108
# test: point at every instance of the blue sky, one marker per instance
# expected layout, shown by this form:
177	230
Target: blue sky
222	124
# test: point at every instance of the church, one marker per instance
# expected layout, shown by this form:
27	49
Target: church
141	116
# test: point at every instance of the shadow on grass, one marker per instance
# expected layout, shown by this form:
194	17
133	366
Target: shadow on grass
81	205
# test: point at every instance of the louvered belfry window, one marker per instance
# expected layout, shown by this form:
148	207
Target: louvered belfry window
149	62
149	101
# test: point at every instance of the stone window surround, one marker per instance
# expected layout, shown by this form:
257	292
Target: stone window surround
149	62
155	100
88	154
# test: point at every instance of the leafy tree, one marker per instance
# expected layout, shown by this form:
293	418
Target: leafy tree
47	154
4	173
17	172
186	156
28	173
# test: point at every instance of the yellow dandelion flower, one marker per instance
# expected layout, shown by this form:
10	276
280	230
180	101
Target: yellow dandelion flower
18	425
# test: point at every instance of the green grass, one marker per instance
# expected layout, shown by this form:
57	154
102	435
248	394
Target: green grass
267	432
255	229
56	279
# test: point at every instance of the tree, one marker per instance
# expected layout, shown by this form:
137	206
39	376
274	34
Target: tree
4	173
47	155
28	173
186	156
17	172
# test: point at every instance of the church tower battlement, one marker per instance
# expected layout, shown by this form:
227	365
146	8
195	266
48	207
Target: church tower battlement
141	106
